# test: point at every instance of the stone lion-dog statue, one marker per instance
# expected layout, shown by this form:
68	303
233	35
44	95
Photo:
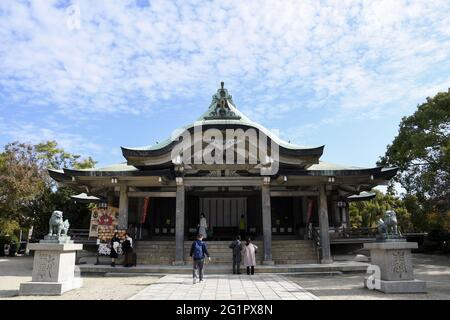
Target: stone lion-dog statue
57	225
388	226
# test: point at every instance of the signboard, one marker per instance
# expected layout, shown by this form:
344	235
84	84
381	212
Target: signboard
104	222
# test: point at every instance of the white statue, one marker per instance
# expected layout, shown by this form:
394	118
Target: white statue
57	225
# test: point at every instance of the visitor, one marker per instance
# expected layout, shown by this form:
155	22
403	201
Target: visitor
115	243
236	247
198	252
13	249
203	226
242	226
127	248
249	251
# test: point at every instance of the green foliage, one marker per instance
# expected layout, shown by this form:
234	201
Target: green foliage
48	201
56	158
28	195
20	180
366	213
421	150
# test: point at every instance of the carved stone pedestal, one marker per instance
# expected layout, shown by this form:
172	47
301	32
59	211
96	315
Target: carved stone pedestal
396	269
53	269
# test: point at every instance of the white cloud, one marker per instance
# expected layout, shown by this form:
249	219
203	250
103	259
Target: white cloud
31	133
348	55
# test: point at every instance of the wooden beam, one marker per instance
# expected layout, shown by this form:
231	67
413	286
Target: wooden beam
222	182
161	194
292	193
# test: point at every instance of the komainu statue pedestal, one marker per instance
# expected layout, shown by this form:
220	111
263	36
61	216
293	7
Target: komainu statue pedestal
394	260
53	268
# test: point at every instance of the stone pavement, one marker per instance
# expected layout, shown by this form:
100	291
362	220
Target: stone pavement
225	287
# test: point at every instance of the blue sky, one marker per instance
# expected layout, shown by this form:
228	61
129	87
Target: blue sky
335	73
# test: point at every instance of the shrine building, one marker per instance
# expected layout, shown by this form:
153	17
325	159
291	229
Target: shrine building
232	169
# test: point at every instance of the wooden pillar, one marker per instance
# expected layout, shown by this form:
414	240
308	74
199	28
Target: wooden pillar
123	207
110	196
337	214
179	223
267	221
324	227
345	217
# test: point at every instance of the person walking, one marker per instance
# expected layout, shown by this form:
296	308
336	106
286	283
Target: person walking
198	253
236	247
127	248
249	252
203	226
115	243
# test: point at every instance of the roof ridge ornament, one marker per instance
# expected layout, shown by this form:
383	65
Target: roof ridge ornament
219	108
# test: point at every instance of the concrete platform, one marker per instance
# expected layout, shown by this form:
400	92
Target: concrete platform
343	267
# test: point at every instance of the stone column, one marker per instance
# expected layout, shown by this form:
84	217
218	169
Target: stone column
267	221
123	207
179	223
324	227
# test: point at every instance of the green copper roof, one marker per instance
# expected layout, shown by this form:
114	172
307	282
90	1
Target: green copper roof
325	166
118	167
222	111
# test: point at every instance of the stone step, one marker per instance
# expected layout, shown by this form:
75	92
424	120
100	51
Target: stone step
283	251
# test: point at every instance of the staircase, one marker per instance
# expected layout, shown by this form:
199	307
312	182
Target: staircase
283	252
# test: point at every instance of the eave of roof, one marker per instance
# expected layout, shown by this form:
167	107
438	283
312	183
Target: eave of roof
362	196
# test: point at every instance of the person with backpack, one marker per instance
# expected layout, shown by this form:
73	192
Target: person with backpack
198	253
236	246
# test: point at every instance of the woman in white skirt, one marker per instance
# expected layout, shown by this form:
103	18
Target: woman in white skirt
249	252
203	226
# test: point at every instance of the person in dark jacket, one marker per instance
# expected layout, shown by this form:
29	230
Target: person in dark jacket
198	253
127	248
236	246
115	243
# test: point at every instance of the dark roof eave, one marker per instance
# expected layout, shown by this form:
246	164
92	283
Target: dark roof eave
58	176
136	173
387	173
358	197
132	153
341	173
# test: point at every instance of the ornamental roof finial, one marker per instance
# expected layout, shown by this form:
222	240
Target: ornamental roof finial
221	84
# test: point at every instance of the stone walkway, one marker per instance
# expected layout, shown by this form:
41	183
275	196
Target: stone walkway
225	287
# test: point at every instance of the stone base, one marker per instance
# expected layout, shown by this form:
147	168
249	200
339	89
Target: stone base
406	286
268	262
56	239
54	269
178	263
48	288
326	261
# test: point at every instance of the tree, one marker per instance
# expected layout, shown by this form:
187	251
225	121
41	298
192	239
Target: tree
366	213
28	195
20	182
421	151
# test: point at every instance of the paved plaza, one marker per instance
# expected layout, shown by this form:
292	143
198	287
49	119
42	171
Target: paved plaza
225	287
435	269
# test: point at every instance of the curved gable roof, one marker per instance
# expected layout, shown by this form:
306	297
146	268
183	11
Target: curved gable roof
231	117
